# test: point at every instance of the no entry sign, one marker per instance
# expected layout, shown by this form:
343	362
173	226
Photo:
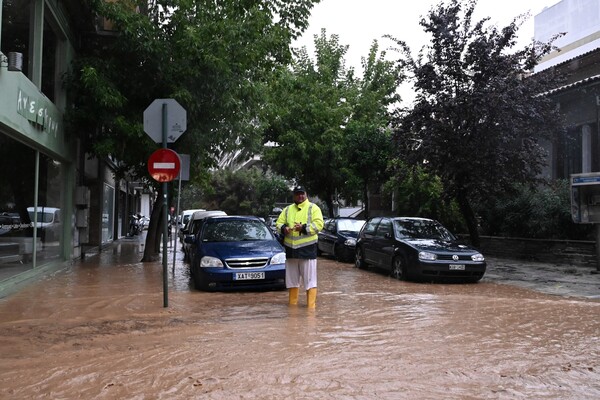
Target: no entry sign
163	165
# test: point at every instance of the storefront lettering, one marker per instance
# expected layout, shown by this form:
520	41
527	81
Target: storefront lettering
37	111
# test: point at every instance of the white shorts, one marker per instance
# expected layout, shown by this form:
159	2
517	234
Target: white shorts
297	269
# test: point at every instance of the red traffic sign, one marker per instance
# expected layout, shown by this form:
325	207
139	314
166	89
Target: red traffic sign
164	165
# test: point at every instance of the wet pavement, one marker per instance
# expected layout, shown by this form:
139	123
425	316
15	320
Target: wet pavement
99	330
557	279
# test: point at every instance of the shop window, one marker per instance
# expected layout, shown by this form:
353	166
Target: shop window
17	184
108	214
49	211
15	29
30	235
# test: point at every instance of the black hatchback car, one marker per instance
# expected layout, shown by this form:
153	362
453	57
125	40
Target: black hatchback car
338	237
417	248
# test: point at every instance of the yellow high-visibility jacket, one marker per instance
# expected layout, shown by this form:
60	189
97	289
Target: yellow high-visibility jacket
301	244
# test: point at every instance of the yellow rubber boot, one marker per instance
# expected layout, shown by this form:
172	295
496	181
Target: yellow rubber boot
293	296
311	298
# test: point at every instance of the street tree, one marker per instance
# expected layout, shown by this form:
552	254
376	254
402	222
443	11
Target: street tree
213	57
480	117
368	138
249	191
310	105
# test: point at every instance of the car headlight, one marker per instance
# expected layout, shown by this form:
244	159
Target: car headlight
210	262
350	242
278	258
477	257
427	256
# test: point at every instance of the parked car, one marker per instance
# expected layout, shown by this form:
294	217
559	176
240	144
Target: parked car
48	222
338	237
192	227
417	248
233	252
183	219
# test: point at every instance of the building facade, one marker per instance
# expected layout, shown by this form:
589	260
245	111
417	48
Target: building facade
55	202
578	57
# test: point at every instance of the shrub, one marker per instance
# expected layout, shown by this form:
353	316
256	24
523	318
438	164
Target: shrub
541	212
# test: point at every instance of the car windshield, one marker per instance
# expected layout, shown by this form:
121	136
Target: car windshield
350	225
422	229
235	231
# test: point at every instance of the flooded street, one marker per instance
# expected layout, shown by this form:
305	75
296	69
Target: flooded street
100	331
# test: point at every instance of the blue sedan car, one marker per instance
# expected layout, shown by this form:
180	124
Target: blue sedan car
236	252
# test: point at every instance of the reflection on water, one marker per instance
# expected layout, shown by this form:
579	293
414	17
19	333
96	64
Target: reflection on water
100	331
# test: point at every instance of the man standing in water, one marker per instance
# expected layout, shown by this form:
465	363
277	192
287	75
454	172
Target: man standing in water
299	224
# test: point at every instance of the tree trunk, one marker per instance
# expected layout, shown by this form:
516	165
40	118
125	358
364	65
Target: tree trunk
152	246
329	203
469	216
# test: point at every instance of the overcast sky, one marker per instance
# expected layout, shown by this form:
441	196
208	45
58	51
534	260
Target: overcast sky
359	22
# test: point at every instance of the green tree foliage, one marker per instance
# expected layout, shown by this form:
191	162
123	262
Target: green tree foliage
541	212
419	193
213	57
329	126
368	139
478	116
246	192
309	107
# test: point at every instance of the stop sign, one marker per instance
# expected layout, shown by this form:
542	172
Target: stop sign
163	165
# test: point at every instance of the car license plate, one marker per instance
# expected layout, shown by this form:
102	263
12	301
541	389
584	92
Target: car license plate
457	267
244	276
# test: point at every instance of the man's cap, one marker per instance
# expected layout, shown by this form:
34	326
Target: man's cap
299	189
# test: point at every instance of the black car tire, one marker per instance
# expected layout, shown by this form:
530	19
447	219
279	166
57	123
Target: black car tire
399	268
198	283
359	262
474	279
337	254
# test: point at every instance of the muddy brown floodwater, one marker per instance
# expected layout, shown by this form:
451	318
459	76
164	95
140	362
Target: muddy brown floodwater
99	331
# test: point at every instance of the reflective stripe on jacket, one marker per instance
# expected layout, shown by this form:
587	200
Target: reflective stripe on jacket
301	244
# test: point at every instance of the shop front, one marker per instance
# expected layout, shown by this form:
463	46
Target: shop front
37	159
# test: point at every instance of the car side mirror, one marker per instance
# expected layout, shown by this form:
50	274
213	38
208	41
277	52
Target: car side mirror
388	236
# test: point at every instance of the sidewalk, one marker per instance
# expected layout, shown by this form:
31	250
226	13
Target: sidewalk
559	279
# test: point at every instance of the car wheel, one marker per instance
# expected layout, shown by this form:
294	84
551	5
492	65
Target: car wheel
399	268
360	259
474	279
198	282
337	254
319	252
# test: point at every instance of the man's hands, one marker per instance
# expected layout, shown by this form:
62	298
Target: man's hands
297	228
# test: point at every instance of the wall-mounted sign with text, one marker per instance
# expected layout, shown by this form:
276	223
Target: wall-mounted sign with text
37	109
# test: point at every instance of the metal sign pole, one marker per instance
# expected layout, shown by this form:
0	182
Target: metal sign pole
177	222
165	210
168	131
